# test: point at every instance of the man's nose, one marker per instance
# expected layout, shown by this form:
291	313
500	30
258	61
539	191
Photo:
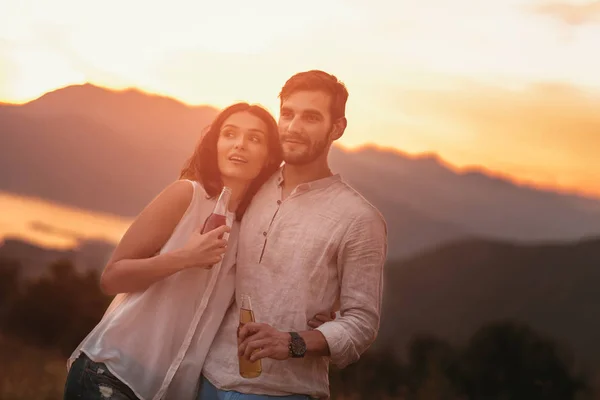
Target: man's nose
295	125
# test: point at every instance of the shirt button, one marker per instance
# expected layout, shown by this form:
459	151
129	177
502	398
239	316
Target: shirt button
264	233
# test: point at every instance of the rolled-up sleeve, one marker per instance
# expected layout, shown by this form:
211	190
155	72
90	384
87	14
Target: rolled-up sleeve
360	267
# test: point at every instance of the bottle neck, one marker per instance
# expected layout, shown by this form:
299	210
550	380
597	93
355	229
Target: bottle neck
223	201
246	303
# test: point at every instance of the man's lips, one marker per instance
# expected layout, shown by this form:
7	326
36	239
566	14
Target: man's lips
294	141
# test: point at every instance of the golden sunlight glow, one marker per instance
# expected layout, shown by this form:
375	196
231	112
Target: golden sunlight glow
72	225
408	65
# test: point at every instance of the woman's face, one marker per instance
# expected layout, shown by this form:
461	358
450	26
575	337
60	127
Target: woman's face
242	149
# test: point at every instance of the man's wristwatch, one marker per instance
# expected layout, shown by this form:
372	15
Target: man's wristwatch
297	345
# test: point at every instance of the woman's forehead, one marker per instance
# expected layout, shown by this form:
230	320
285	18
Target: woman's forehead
245	120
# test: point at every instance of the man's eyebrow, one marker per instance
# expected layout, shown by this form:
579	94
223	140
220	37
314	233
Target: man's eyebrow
312	111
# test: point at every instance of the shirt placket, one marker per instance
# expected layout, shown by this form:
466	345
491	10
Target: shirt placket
295	193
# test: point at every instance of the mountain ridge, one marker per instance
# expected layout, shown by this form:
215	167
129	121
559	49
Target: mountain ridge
436	158
115	152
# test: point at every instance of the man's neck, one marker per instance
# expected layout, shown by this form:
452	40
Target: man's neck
294	175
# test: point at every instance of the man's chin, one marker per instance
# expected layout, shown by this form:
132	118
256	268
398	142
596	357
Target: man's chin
294	161
295	158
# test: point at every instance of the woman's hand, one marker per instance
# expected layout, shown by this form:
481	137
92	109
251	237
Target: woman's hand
205	250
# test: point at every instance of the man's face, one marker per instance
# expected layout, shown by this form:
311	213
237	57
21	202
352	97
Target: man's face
305	126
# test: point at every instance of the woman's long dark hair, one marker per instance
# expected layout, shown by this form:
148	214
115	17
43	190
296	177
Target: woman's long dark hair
203	165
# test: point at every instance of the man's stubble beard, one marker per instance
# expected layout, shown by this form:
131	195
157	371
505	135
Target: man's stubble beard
314	151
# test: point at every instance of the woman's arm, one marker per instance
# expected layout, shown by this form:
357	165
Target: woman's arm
134	265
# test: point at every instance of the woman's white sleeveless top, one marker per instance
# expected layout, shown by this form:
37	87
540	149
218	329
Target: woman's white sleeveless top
156	341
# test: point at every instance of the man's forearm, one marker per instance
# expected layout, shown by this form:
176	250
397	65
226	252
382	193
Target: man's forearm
316	345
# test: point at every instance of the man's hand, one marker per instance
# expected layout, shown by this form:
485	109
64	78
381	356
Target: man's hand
257	341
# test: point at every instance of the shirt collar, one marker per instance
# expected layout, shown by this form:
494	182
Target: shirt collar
317	184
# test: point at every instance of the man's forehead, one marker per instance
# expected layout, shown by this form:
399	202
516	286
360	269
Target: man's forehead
308	99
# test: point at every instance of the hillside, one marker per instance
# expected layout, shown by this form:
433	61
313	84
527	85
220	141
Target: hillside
455	289
113	151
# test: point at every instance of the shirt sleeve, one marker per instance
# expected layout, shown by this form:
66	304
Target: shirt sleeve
361	259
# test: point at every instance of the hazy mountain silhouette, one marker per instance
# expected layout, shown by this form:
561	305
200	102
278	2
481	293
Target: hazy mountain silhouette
482	204
146	119
453	290
113	151
97	149
35	260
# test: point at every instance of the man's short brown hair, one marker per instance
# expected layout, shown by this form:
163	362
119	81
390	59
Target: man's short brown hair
316	80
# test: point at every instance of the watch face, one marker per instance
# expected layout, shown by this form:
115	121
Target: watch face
298	347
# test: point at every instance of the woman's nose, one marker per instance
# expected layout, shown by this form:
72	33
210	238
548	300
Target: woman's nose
239	142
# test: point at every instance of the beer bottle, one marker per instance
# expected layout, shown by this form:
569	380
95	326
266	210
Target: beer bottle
219	215
248	369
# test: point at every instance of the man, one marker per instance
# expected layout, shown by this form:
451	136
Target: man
308	244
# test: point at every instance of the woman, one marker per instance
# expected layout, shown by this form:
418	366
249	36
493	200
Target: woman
174	284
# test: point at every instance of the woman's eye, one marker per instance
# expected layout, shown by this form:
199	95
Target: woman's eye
255	139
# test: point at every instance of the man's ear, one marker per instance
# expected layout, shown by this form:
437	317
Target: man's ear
339	126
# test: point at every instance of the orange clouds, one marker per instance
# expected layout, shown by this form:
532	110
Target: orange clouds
572	14
547	133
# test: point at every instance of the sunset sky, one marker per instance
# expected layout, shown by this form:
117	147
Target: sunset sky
510	85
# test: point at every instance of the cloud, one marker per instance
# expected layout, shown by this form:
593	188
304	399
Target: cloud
50	229
546	132
571	14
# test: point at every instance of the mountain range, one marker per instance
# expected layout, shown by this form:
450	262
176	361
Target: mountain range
113	151
451	291
34	260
